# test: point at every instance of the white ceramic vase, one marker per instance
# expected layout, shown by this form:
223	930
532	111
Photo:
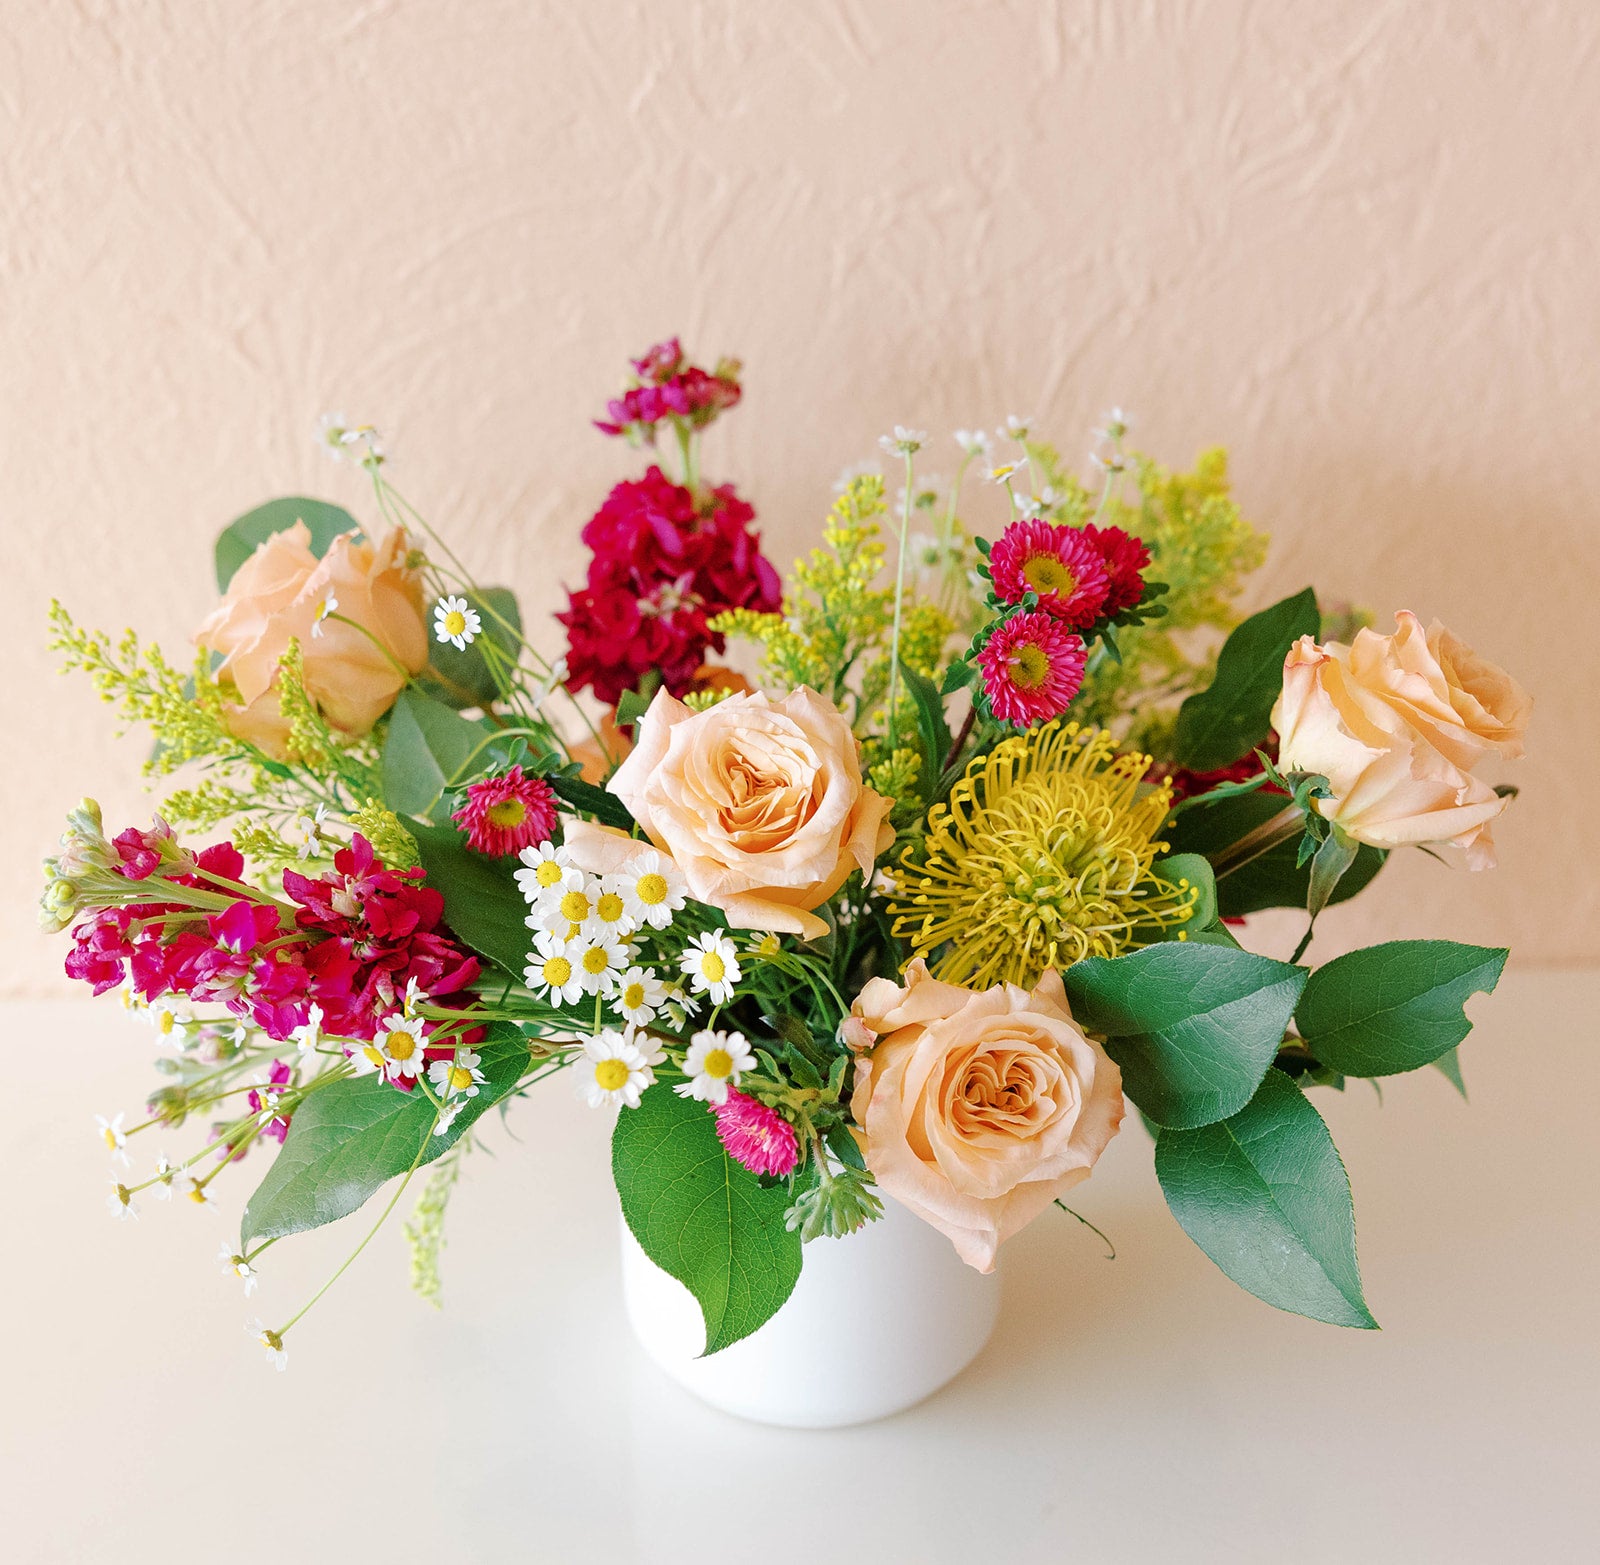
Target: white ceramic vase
877	1322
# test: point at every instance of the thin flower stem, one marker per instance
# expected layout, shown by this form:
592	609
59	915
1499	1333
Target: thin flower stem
1279	828
899	604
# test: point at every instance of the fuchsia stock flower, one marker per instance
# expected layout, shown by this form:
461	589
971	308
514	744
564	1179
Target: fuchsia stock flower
757	1137
1032	668
671	388
1061	564
507	813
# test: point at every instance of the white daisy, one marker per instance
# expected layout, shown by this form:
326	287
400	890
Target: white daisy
640	995
456	623
166	1172
611	917
368	1058
400	1041
190	1189
652	889
551	972
116	1143
975	442
235	1265
331	430
680	1006
599	962
324	609
712	965
903	442
1115	424
307	829
459	1078
414	996
614	1068
542	867
308	1035
1004	471
1016	428
120	1203
277	1354
714	1063
570	901
447	1117
168	1014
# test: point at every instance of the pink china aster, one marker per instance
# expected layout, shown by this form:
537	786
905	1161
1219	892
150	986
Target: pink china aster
1124	558
1059	563
507	813
757	1137
1032	668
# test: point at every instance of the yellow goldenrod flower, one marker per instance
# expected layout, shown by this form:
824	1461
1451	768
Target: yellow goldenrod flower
1042	856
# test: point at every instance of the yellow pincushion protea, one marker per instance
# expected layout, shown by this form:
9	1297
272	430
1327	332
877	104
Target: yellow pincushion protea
1042	856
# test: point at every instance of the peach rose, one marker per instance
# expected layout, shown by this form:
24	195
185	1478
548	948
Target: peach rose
978	1109
276	594
760	803
1397	724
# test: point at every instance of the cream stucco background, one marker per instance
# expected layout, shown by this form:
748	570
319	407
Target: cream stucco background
1359	244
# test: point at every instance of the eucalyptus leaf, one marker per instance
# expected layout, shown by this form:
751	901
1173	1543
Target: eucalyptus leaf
1219	724
1394	1007
1265	1195
349	1138
701	1217
240	538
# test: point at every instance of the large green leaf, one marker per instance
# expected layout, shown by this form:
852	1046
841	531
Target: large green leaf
482	905
427	746
1194	1025
1272	879
349	1138
583	796
1265	1195
701	1217
1220	723
1177	869
1395	1007
239	539
462	677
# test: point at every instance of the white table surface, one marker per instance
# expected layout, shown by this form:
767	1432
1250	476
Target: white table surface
1142	1409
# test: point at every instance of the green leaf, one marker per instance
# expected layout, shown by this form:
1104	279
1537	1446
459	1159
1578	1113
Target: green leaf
1448	1065
932	729
701	1217
482	905
1394	1007
1329	865
427	746
349	1138
584	797
1194	1026
1266	1196
1219	724
463	677
958	676
239	539
1272	879
1175	868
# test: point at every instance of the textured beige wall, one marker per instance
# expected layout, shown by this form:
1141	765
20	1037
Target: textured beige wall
1357	243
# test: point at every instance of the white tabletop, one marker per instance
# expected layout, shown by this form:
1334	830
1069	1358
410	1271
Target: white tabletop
1142	1409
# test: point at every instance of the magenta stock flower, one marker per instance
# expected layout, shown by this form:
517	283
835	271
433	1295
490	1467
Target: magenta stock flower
504	814
756	1137
1061	564
1032	668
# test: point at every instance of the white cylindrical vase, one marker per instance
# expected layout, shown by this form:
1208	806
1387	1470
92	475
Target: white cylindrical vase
877	1322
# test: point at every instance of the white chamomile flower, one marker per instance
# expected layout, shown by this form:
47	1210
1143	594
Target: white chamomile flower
190	1189
1004	472
713	1064
308	1035
551	973
652	889
458	1077
447	1117
414	996
455	622
367	1059
168	1013
975	442
712	965
599	962
277	1354
1114	425
568	903
640	995
680	1006
116	1142
903	442
307	829
613	1068
166	1172
1016	428
331	431
611	918
1108	462
120	1203
328	605
400	1041
542	868
235	1265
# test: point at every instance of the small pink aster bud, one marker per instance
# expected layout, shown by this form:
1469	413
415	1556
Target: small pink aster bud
756	1137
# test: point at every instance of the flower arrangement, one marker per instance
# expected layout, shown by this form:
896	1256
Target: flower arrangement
909	914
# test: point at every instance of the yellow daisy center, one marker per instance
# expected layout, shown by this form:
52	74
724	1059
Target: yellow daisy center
507	812
374	1056
455	623
633	997
712	967
110	1138
595	960
198	1195
1029	666
548	873
460	1078
401	1046
164	1025
574	907
1046	574
651	890
557	971
610	907
718	1063
611	1074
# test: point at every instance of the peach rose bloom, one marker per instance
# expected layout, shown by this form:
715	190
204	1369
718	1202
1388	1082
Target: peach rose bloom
1397	724
978	1109
760	803
276	594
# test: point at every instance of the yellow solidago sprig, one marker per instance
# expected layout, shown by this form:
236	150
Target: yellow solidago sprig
1042	856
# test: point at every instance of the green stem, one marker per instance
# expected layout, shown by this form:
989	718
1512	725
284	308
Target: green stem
899	604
